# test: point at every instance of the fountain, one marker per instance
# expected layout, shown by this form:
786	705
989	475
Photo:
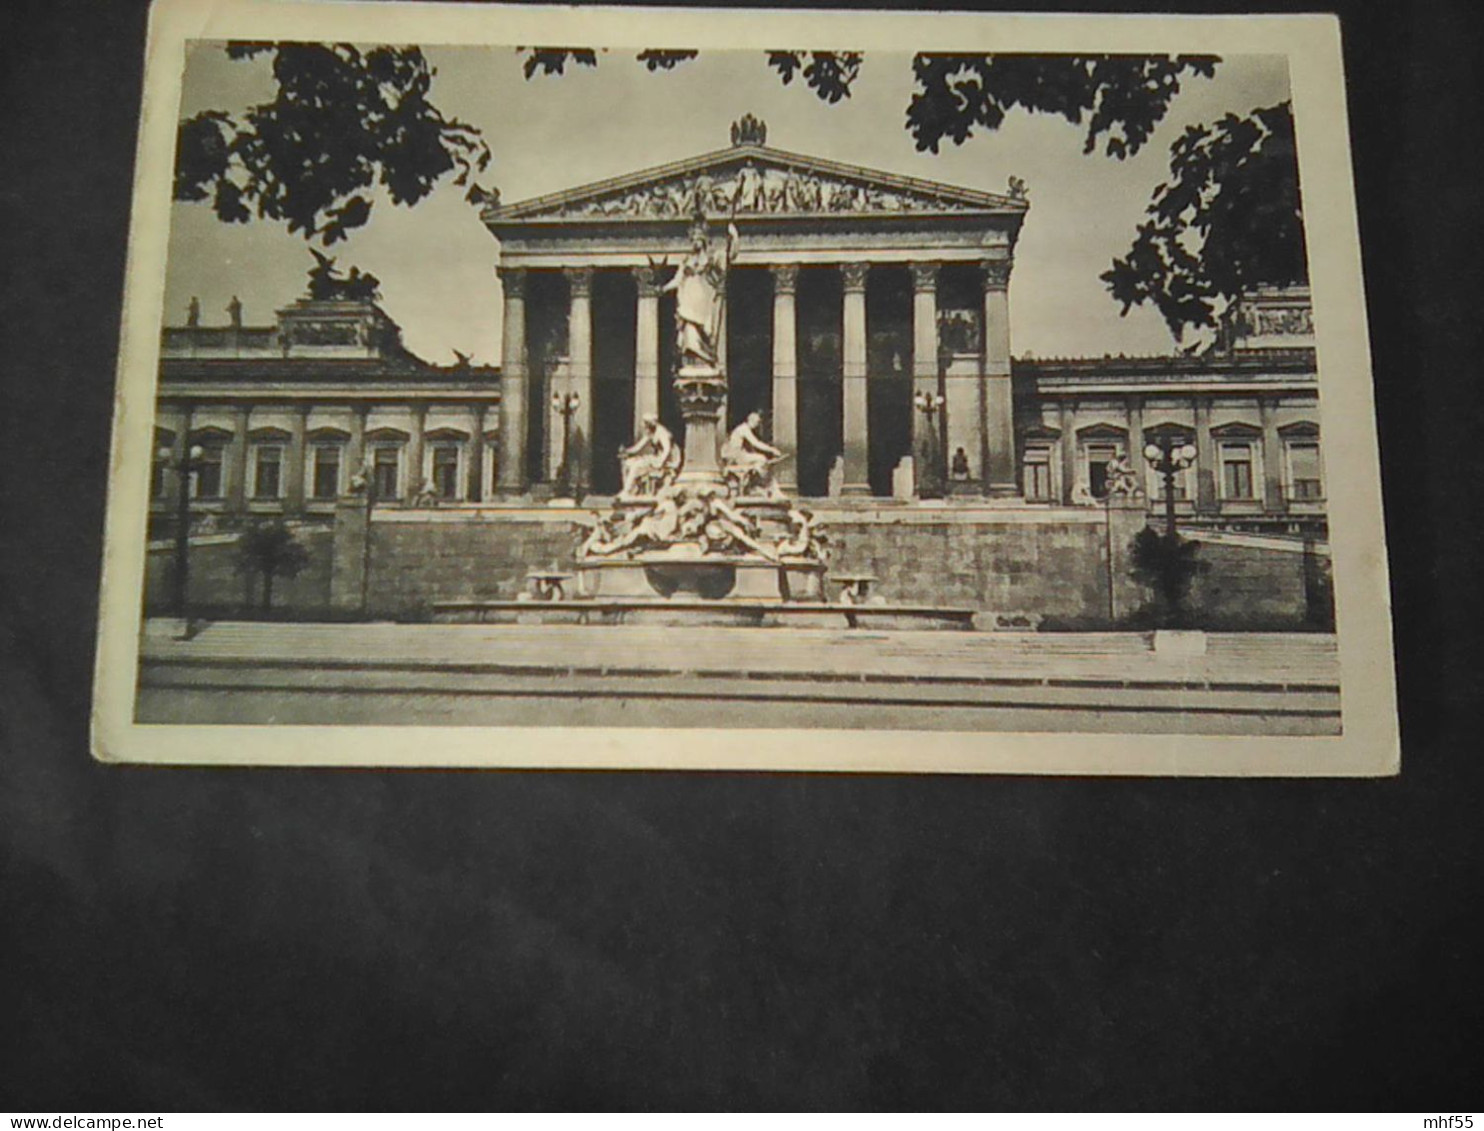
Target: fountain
708	523
703	534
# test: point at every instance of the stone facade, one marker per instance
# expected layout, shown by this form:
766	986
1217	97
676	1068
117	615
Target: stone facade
866	318
850	292
1252	414
286	416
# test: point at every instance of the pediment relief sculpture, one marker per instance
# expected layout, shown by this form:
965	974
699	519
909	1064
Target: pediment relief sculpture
756	189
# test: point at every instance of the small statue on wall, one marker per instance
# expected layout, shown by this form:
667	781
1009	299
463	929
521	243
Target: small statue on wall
1123	481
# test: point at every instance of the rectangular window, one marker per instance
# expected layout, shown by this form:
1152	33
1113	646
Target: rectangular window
1236	471
1303	471
446	471
1038	475
385	466
326	471
157	479
267	474
208	475
1098	458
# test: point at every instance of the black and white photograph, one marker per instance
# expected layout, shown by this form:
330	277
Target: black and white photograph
700	404
625	558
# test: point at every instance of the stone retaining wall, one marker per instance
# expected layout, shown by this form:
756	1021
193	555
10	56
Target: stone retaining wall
1017	564
1020	567
217	588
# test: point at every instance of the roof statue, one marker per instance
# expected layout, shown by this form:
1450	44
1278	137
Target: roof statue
482	197
748	130
326	284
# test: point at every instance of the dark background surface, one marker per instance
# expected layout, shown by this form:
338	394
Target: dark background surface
191	939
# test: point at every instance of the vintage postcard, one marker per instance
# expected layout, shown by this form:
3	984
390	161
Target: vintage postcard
641	388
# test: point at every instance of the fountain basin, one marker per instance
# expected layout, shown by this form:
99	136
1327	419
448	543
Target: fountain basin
684	572
733	613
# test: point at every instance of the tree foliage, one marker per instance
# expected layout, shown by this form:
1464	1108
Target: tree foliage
655	60
1120	97
1168	564
829	74
268	550
342	121
554	60
1230	218
345	120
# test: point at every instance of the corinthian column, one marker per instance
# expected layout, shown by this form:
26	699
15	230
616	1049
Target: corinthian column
646	347
925	371
999	406
580	367
786	374
514	387
855	423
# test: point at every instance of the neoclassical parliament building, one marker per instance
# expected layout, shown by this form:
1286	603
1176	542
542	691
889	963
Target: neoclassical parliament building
866	319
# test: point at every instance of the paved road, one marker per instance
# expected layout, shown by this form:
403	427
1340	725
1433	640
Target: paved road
660	676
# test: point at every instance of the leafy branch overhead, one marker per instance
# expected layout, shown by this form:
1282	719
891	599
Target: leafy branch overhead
554	60
1229	219
343	121
829	74
1121	96
346	122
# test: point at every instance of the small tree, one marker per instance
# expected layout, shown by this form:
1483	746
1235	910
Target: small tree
269	550
1167	564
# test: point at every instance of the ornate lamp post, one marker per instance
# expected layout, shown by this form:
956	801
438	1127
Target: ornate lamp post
1167	457
567	405
184	467
930	479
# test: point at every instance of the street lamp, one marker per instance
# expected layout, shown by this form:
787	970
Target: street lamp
1167	457
184	467
364	482
567	405
930	480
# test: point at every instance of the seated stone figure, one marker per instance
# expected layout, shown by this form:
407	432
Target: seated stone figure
1123	481
747	460
651	462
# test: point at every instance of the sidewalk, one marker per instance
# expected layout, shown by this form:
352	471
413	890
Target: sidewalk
633	675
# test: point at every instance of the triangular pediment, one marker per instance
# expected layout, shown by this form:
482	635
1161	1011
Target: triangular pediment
753	181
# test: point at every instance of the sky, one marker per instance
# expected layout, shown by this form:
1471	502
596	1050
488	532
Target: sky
436	260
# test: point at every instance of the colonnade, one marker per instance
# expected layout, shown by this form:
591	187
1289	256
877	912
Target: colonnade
988	405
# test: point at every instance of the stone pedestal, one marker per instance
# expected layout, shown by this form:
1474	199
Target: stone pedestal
349	560
702	391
